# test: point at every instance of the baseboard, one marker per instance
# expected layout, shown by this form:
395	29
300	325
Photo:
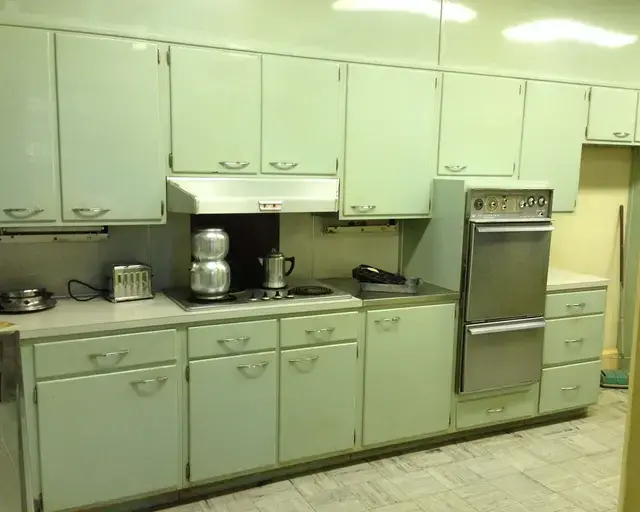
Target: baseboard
610	359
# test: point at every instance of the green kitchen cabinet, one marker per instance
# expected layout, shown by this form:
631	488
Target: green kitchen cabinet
481	125
409	367
232	415
109	122
391	141
29	190
302	120
612	115
555	117
108	437
215	111
317	401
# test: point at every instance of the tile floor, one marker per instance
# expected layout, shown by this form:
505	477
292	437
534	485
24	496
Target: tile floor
572	466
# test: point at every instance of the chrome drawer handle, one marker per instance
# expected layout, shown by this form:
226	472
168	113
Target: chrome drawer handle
364	207
26	211
304	360
318	331
234	165
621	135
149	381
571	388
120	353
284	166
90	212
455	168
577	340
261	364
493	411
579	305
393	320
232	340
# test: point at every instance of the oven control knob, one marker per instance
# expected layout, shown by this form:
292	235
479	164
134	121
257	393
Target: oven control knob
522	203
265	296
478	204
542	201
531	201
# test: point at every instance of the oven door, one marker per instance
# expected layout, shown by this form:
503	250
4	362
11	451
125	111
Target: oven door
501	355
507	267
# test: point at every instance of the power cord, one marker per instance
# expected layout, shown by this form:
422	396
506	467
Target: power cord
100	291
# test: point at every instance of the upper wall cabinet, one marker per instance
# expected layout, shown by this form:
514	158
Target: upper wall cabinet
28	174
391	142
481	125
109	122
215	111
555	117
612	115
302	112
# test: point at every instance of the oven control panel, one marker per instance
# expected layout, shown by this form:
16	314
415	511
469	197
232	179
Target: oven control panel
509	204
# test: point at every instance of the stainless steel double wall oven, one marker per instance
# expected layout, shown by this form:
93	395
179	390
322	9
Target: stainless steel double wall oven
505	265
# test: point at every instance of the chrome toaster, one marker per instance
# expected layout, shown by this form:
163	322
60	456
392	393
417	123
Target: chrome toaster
129	282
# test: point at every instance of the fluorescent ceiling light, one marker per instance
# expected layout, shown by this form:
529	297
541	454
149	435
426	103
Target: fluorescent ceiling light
548	31
430	8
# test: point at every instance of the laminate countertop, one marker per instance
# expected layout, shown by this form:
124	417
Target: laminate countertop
565	280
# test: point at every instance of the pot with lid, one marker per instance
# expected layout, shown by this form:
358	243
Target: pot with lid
273	265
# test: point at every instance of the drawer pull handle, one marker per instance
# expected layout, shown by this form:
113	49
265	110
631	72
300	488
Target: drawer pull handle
578	305
319	331
363	208
455	168
393	320
25	211
571	388
120	353
234	165
149	381
90	212
261	364
577	340
232	340
284	166
494	411
304	360
621	135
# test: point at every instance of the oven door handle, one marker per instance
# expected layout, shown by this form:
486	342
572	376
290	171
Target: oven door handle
516	326
514	229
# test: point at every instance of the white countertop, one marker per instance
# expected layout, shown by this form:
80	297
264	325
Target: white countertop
560	280
71	317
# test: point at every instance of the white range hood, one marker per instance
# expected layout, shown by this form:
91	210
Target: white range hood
252	195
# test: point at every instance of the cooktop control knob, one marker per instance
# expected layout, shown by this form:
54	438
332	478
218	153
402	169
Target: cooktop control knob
290	295
542	201
254	297
522	203
478	204
265	296
278	295
531	201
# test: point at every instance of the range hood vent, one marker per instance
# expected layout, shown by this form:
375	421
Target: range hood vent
252	195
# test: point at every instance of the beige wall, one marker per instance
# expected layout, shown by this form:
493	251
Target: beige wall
587	240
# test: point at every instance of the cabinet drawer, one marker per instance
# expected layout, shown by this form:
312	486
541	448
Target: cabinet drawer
312	330
105	353
221	340
575	303
568	387
496	409
573	339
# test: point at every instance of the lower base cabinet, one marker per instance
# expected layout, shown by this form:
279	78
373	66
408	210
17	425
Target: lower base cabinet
232	415
108	437
506	406
569	387
408	372
317	401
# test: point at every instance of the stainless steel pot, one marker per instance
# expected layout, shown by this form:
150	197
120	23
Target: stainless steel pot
274	273
210	244
210	279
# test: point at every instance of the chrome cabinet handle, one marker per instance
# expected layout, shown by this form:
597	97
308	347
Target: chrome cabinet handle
149	381
364	207
110	354
393	320
234	165
621	135
261	364
27	211
579	305
493	411
284	166
455	168
232	340
90	212
571	388
304	360
318	331
577	340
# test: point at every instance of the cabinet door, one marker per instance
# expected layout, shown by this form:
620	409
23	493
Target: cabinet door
317	401
408	372
28	176
301	120
481	125
612	114
215	111
108	104
391	142
108	437
555	117
232	415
